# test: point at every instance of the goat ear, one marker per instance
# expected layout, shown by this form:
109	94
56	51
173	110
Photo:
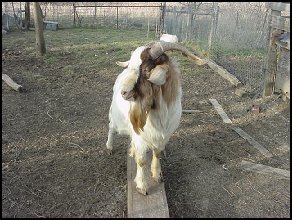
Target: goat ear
122	64
158	75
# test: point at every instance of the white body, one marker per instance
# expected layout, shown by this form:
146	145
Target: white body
160	123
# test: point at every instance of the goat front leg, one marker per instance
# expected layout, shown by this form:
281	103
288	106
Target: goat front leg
140	179
155	165
139	151
109	143
132	149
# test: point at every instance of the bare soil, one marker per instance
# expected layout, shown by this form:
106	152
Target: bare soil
54	162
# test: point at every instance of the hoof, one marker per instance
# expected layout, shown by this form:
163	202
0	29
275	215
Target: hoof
131	154
142	191
109	152
158	178
132	151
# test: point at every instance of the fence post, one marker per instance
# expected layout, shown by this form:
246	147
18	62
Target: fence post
162	17
117	17
270	67
74	18
213	26
95	13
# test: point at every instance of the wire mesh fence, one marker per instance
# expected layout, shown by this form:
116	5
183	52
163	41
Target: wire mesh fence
91	14
234	35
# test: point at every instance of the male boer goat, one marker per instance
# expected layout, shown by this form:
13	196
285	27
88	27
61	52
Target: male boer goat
146	104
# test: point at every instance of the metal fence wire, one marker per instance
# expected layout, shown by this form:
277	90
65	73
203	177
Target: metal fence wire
233	35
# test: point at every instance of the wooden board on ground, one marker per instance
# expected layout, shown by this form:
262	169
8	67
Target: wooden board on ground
11	83
153	205
224	73
220	111
263	169
252	141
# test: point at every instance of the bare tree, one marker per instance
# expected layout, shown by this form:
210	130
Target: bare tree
192	8
18	20
39	30
27	16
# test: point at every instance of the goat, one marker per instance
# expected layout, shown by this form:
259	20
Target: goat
146	104
169	38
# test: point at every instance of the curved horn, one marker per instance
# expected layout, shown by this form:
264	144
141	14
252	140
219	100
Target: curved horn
158	48
123	64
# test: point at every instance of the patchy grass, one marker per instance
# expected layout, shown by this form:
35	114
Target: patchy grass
53	135
90	46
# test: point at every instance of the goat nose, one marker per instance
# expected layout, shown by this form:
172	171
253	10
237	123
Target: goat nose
123	93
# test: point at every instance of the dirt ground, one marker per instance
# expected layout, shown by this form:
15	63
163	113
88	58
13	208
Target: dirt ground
54	162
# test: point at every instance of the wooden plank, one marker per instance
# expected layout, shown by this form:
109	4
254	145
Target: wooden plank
153	205
252	141
263	169
281	23
224	73
220	111
278	6
271	63
11	83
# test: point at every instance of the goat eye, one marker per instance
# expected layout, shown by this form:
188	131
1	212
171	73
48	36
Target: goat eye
148	73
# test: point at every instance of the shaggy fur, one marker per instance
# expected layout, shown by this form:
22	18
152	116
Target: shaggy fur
147	106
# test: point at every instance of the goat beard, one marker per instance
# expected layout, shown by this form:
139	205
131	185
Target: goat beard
142	106
138	116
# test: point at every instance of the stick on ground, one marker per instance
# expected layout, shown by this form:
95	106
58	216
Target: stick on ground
11	83
220	111
253	142
263	169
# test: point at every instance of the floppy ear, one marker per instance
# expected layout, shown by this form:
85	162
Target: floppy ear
158	75
123	64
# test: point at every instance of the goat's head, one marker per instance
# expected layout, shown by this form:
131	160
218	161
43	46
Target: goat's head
147	70
147	63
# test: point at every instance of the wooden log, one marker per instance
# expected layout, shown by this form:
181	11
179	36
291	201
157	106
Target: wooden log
224	73
220	111
154	204
11	83
253	142
263	169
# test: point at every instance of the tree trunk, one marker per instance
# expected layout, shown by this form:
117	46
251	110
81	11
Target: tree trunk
27	16
39	30
162	17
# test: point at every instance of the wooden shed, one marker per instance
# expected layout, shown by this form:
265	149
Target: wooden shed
278	58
